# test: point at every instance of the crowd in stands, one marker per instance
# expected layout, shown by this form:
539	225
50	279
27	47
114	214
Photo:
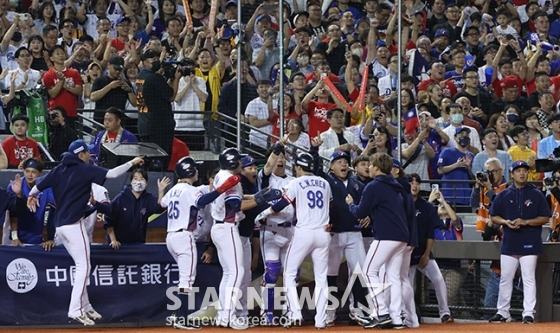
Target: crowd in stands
471	72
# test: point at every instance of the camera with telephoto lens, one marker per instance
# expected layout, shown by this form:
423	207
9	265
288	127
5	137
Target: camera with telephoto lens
549	164
52	116
485	176
549	181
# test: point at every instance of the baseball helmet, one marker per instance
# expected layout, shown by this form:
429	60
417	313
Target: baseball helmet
229	158
186	167
305	161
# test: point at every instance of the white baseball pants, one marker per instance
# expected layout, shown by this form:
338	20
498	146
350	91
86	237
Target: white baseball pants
246	280
508	266
432	272
411	319
182	247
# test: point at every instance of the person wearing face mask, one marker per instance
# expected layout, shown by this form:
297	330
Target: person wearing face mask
455	164
455	112
131	209
512	116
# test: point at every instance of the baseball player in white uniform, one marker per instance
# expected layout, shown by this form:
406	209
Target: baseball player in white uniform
311	236
277	231
227	211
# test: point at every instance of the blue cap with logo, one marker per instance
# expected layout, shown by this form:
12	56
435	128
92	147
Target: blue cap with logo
396	163
79	146
339	154
461	129
247	161
518	164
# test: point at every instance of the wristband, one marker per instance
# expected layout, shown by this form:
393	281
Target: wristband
14	235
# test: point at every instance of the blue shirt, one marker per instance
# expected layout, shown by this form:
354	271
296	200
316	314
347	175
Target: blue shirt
526	203
482	157
456	78
460	192
427	220
130	215
70	182
30	225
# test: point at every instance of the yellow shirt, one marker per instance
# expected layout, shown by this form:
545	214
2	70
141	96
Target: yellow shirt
517	153
215	77
358	120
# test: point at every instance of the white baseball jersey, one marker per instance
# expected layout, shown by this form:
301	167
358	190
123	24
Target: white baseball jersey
204	219
312	195
286	214
181	207
221	212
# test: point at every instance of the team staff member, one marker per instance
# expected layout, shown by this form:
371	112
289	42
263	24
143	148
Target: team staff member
227	213
277	231
313	196
361	168
27	225
427	220
384	199
131	209
71	185
346	229
522	210
154	95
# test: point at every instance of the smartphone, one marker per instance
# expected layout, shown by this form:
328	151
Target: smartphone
547	3
435	188
22	17
323	75
372	136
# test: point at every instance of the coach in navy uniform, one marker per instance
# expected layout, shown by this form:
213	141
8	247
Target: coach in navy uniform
522	210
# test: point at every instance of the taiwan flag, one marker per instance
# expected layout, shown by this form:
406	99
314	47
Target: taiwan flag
411	122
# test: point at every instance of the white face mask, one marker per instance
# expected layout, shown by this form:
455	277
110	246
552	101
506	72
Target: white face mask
138	185
358	51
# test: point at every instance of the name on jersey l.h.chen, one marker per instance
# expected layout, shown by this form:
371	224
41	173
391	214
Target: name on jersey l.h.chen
312	182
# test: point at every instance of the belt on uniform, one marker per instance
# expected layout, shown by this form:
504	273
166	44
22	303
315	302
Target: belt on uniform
181	230
224	222
280	225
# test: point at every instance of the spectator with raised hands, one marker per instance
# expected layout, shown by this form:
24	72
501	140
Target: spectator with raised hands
317	109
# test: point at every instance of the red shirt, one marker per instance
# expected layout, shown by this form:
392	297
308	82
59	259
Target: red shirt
64	98
449	90
554	86
317	113
18	150
498	89
117	44
313	77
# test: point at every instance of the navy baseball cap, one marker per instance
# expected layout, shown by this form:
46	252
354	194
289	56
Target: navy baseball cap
340	154
442	32
518	164
462	129
79	146
247	161
396	163
117	62
263	17
122	19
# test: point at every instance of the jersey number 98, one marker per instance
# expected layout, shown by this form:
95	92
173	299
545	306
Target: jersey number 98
173	210
315	199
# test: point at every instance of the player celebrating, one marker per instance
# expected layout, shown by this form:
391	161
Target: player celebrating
276	233
385	198
311	236
227	212
71	186
522	210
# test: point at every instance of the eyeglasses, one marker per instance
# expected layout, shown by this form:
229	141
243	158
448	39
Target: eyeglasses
25	55
473	34
334	30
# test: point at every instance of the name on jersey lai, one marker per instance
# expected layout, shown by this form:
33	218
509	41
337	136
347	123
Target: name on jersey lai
313	182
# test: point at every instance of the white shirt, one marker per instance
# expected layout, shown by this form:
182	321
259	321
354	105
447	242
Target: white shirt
302	141
313	196
189	102
507	31
379	70
180	201
330	142
220	212
259	109
90	25
32	78
287	214
385	86
419	166
8	60
475	138
68	48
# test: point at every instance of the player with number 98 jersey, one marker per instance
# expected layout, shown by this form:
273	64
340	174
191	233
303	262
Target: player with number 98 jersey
312	195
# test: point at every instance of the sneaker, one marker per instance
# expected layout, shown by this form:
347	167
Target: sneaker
93	315
84	320
528	320
497	318
398	326
447	319
362	320
221	322
187	325
331	316
382	320
238	324
357	315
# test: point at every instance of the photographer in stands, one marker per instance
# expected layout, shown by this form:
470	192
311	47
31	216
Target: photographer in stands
60	134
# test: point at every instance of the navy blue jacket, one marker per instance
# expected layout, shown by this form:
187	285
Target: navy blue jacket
247	225
129	216
356	193
427	220
339	215
410	212
526	203
384	196
71	186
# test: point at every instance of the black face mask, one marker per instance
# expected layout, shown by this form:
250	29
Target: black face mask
17	37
